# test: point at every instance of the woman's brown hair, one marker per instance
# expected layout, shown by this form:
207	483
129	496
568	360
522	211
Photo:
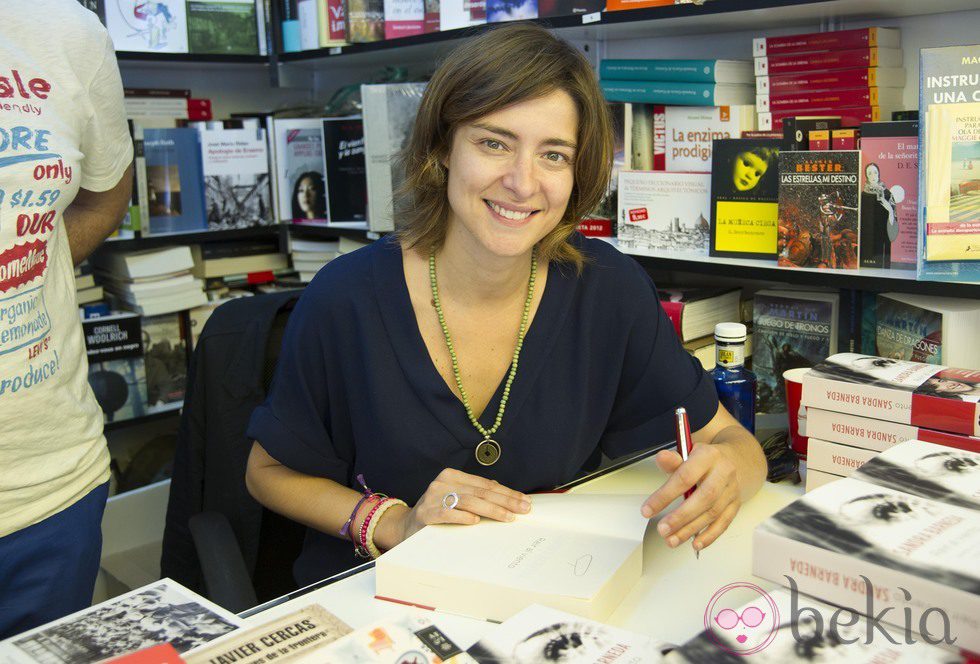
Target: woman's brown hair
501	67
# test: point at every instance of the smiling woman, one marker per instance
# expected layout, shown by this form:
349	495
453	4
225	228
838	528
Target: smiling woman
487	349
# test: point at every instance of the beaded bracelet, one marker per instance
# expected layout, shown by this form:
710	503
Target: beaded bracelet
373	519
361	546
345	529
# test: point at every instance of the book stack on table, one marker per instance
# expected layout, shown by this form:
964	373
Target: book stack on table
860	405
856	75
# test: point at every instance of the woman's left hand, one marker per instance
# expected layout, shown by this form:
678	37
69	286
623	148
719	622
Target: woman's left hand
712	506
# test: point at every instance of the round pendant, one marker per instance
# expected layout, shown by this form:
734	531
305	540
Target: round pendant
488	452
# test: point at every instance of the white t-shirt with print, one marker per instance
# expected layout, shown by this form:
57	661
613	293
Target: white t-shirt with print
62	127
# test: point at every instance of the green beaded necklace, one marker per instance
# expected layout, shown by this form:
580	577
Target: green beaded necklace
488	451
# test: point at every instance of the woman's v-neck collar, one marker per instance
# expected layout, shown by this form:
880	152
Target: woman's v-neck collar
413	356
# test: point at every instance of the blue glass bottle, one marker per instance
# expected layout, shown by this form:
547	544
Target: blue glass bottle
734	383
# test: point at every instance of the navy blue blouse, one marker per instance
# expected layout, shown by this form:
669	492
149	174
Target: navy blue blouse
356	391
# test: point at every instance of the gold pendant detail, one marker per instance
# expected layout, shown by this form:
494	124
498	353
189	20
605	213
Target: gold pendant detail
488	452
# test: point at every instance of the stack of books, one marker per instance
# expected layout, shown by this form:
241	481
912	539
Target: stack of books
856	75
252	261
677	82
897	542
151	282
308	256
860	405
86	290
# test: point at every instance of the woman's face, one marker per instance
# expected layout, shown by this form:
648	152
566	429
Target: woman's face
950	386
511	174
749	169
306	196
871	173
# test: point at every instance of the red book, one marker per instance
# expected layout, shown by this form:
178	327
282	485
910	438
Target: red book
596	227
806	82
811	62
199	109
843	98
849	117
694	312
827	41
930	396
161	654
871	434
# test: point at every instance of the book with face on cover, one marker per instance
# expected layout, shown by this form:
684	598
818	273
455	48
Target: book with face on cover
579	553
903	558
925	395
744	197
937	472
542	634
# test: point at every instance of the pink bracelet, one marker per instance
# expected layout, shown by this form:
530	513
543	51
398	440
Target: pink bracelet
361	547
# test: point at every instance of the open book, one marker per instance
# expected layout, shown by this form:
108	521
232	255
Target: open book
869	547
580	553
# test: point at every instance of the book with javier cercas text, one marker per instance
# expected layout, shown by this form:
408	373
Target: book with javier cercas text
579	553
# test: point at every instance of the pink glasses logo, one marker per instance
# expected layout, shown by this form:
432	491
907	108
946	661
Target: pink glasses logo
742	633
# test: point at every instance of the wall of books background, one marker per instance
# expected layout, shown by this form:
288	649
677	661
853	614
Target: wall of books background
793	148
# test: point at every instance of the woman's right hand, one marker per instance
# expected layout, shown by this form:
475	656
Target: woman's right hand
478	498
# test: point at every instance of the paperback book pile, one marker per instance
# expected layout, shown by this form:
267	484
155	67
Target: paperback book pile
855	74
694	312
905	556
308	256
151	282
86	289
677	82
858	405
254	261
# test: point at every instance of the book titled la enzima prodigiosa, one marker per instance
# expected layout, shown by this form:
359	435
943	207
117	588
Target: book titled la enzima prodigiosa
923	395
906	556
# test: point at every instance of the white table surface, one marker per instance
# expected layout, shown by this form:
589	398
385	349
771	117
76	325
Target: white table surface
668	603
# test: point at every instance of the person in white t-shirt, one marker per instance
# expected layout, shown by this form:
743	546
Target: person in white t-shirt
65	182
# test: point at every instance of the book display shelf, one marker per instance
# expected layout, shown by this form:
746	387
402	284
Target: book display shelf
715	29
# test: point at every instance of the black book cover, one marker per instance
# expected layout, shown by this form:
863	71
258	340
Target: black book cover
235	248
819	206
744	195
343	152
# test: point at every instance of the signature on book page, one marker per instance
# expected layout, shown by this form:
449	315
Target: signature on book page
581	565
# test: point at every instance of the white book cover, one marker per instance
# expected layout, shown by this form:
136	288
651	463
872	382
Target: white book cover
299	170
575	552
665	212
919	556
835	458
745	623
878	435
817	478
161	612
688	133
309	24
159	26
404	638
542	634
389	116
455	14
236	178
941	473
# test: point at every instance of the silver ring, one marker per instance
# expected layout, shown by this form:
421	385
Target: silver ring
450	500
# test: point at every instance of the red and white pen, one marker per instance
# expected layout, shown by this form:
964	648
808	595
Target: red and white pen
684	446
